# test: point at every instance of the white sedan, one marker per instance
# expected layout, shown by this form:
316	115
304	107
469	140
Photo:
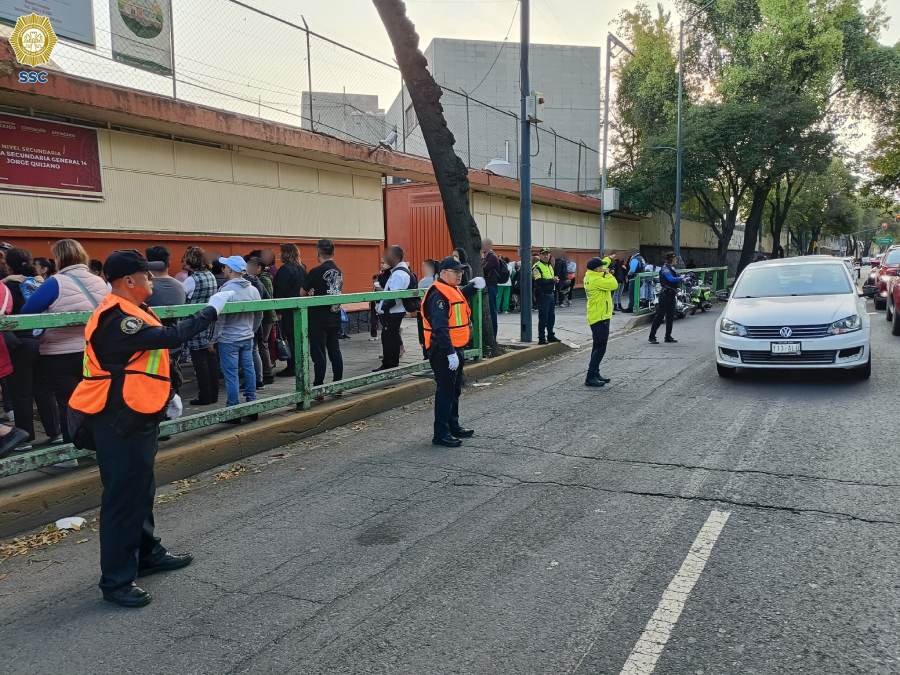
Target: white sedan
794	313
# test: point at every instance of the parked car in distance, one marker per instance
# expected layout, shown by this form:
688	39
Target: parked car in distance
853	266
893	304
888	267
803	313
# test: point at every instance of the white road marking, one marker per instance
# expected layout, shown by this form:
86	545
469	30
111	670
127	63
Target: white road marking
649	647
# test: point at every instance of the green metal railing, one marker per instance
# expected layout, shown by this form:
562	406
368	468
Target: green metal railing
718	277
301	397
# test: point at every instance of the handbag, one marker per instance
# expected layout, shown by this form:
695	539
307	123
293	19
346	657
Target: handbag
282	346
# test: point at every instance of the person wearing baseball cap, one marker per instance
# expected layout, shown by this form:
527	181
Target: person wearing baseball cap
115	411
235	333
599	284
447	329
545	281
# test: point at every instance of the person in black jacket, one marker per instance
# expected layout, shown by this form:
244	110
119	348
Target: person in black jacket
447	359
289	281
23	351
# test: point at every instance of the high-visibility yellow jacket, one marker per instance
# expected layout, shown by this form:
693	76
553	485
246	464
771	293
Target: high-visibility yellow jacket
599	286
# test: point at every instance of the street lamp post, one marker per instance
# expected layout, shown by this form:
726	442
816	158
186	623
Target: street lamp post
610	41
525	180
679	153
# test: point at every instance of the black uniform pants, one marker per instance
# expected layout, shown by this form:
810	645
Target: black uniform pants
323	339
665	309
126	510
446	396
546	315
600	333
391	339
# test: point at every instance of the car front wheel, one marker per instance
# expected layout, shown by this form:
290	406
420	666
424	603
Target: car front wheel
725	371
880	303
895	325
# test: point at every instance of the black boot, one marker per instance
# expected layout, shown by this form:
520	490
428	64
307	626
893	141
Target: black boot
128	596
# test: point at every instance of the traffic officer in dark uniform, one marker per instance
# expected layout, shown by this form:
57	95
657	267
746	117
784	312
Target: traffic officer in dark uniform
447	328
545	280
669	281
116	410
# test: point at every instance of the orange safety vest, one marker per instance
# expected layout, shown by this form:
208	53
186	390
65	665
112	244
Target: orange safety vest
460	315
146	384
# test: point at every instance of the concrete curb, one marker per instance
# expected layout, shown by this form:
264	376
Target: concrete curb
66	495
636	322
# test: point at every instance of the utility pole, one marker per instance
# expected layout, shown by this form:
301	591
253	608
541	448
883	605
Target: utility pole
525	182
610	41
679	152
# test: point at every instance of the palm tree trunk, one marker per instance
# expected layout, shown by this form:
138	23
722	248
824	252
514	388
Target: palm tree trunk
449	170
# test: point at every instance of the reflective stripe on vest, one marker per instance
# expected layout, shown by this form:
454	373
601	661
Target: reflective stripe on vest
459	318
145	386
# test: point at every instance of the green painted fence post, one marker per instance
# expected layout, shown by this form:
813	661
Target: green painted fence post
301	356
477	326
636	294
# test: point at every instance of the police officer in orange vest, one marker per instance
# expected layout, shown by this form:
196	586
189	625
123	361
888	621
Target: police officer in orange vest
116	410
447	327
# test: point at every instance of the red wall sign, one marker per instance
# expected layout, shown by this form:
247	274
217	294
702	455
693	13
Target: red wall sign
49	158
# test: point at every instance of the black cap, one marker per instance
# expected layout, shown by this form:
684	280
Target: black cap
122	263
450	263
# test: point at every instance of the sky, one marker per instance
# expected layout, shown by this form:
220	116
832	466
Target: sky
232	58
580	22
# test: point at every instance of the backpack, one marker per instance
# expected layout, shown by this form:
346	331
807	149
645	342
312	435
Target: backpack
411	304
502	273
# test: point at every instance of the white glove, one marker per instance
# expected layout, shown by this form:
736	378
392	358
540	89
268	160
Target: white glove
173	412
479	283
219	299
453	361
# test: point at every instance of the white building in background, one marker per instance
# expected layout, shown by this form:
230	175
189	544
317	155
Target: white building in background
567	76
350	117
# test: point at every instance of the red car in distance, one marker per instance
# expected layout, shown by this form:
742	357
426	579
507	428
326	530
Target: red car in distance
887	269
893	303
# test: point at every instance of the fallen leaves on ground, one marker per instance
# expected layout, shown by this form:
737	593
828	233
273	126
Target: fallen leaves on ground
32	542
181	487
233	471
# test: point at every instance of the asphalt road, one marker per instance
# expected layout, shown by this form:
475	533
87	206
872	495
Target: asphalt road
671	519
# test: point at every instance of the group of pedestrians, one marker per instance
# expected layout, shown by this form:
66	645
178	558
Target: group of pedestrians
40	369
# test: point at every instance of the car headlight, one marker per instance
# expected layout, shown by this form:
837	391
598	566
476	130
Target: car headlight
885	277
845	325
730	327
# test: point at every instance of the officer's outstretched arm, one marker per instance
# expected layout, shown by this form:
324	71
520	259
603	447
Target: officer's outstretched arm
170	337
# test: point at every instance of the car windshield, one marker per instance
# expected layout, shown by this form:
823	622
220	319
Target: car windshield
775	281
893	257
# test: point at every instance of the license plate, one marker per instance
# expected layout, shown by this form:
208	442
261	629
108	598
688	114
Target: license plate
785	347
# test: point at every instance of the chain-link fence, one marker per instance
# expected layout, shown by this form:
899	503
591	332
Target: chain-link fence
230	56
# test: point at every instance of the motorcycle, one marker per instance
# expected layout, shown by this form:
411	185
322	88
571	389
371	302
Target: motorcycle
683	303
700	295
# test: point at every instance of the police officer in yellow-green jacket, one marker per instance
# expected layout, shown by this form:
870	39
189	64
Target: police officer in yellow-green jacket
545	280
599	284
